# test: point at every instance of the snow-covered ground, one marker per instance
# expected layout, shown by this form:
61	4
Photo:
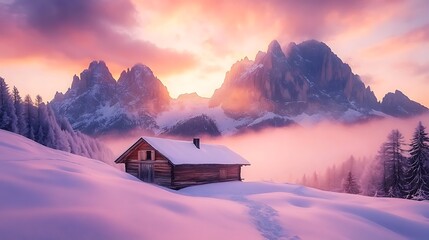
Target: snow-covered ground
49	194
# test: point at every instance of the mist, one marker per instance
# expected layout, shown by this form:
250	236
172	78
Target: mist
286	154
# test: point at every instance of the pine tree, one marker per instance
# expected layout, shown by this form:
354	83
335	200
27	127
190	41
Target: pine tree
29	117
19	111
315	180
395	164
350	185
55	136
8	120
372	178
418	174
391	164
304	180
38	123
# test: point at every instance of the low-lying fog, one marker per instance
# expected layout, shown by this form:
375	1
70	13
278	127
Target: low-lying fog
285	154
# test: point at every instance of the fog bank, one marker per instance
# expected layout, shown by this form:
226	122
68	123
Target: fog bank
285	154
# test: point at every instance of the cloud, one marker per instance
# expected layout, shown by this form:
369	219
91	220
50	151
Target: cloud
414	68
402	42
225	22
50	16
80	31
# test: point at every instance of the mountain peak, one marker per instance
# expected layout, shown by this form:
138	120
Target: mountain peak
97	65
313	43
275	49
97	73
399	105
139	69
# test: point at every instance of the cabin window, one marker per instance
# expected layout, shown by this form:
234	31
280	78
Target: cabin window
146	155
149	155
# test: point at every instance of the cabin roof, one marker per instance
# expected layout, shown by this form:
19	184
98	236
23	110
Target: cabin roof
185	152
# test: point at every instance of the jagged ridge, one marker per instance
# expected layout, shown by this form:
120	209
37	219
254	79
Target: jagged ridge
276	89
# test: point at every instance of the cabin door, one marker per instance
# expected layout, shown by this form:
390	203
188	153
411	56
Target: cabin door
146	172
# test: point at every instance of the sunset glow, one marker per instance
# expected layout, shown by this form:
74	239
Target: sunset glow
191	45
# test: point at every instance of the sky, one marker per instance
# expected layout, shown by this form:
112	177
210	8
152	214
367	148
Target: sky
190	45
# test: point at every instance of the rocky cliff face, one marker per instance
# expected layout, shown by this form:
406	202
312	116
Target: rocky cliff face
140	91
305	78
302	82
398	105
97	104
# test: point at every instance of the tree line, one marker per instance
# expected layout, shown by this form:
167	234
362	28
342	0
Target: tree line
398	170
37	121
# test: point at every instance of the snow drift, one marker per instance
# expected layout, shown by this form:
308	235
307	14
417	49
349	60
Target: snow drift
49	194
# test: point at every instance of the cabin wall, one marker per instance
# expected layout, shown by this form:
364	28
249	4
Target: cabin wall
162	168
162	173
188	175
132	168
145	146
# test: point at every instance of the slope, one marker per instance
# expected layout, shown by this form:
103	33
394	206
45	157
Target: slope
49	194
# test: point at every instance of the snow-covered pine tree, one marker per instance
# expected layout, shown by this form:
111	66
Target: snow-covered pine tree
315	180
40	119
19	111
8	119
417	176
350	184
29	117
387	174
38	122
56	136
304	180
372	178
395	165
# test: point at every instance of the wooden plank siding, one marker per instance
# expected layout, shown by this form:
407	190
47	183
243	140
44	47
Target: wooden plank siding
132	168
188	175
177	176
161	166
162	170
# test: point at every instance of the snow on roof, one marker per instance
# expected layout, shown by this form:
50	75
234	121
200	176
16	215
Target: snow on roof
185	152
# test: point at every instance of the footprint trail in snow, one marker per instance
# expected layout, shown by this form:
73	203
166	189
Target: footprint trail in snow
264	217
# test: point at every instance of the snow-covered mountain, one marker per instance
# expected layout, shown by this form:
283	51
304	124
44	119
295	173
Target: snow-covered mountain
97	103
50	194
304	83
307	78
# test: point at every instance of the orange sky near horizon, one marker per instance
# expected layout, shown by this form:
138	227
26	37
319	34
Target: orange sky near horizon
190	45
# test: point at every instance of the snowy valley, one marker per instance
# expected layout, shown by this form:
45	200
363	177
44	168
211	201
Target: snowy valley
50	194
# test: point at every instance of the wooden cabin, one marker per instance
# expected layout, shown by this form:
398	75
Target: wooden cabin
177	164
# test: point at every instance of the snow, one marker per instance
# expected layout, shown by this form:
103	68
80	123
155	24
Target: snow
286	211
351	115
308	120
267	116
180	111
249	71
185	152
49	194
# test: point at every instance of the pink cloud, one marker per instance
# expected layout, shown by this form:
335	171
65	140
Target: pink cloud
81	31
401	42
414	69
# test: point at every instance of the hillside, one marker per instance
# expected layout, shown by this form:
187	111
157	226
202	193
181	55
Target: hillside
49	194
